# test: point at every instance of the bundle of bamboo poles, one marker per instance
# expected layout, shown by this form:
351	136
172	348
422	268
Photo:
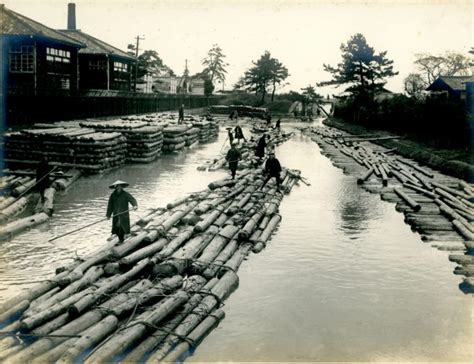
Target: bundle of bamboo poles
156	295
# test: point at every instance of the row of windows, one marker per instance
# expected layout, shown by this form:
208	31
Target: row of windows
120	67
58	52
97	65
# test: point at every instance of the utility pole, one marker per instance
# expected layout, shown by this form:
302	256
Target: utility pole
138	38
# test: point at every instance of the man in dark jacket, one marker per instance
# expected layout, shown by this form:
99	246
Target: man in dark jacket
233	156
238	133
118	209
181	114
260	149
272	169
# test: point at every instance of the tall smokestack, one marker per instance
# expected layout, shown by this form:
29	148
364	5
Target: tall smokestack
71	16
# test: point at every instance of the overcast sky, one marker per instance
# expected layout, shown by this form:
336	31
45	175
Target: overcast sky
301	34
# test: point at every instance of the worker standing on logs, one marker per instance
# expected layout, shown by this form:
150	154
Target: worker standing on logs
233	156
230	136
260	149
118	209
238	133
181	114
43	181
277	124
272	169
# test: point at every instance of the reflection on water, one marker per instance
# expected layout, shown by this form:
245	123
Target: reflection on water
315	293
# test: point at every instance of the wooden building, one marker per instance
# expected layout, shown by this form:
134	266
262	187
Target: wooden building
101	65
453	86
36	60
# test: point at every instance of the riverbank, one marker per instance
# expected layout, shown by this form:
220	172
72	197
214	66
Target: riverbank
453	162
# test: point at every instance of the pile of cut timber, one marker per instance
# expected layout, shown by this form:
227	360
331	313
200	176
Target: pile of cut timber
144	141
439	207
80	148
174	138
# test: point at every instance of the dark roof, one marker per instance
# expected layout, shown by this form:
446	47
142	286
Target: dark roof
457	83
94	45
12	23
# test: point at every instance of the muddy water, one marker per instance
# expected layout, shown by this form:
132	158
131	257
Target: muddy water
344	279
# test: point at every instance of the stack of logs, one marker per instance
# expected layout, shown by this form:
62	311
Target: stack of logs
80	148
174	138
435	205
154	297
17	194
144	141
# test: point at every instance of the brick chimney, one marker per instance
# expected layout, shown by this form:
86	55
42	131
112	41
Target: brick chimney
71	16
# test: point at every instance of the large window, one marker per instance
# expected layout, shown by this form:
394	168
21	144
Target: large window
22	59
58	55
120	67
97	65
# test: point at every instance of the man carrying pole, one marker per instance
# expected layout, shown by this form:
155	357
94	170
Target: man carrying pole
233	156
118	209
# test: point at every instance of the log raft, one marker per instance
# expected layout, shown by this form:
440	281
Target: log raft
159	282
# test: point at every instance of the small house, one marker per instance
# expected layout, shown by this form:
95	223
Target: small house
453	86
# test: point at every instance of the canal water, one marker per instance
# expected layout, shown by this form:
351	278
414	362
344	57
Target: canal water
343	279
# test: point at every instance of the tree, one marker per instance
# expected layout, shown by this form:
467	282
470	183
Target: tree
208	87
266	72
214	64
413	84
430	67
361	68
149	62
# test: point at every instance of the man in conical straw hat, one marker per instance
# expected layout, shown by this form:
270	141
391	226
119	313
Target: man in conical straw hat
118	209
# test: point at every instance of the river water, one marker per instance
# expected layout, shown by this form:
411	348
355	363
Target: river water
343	279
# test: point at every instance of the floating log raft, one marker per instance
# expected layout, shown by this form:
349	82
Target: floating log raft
439	207
159	282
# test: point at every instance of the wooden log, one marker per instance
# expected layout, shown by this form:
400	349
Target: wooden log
89	277
226	285
6	201
208	220
89	338
55	353
213	249
462	259
137	330
184	348
454	203
39	317
365	176
414	205
91	298
251	225
467	186
221	183
452	191
164	287
463	230
12	314
179	260
414	166
4	354
140	353
383	174
176	217
123	249
419	189
24	188
31	293
221	258
143	252
174	244
236	260
13	209
12	228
